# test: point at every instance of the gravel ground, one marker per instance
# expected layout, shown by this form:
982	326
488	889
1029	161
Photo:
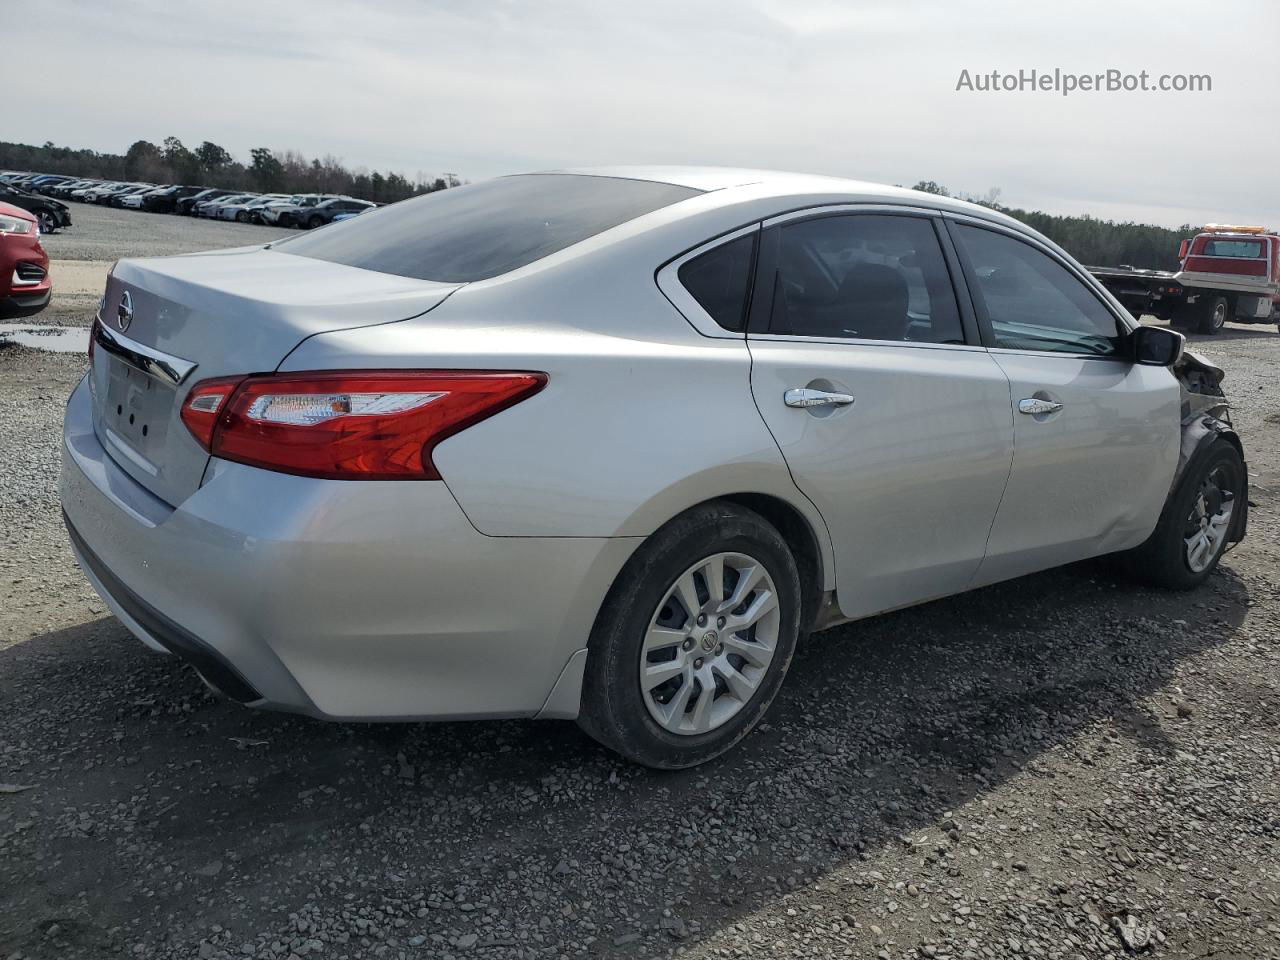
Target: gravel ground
1063	766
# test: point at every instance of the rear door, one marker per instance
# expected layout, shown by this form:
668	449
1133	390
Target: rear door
1095	436
893	419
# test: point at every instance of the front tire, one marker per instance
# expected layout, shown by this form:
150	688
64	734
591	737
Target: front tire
48	221
314	222
694	639
1192	533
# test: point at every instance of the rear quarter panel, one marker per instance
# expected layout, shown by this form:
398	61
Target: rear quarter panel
642	416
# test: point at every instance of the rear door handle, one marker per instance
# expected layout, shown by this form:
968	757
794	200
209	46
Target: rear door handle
1033	406
808	397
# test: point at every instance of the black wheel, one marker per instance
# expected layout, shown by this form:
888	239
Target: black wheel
48	221
242	216
1192	532
694	639
1214	313
316	221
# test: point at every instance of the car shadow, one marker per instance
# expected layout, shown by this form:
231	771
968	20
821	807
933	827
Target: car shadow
154	797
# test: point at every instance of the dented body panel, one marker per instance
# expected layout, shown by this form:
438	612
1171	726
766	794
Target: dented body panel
1206	417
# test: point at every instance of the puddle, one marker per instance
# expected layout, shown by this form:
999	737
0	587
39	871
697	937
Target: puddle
53	339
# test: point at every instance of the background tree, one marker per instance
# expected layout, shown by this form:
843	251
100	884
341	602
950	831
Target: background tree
141	157
181	164
1094	242
928	186
213	160
266	170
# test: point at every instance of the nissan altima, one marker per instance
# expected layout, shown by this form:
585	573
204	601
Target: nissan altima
606	444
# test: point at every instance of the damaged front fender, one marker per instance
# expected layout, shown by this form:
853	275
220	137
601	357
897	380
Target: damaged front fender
1206	417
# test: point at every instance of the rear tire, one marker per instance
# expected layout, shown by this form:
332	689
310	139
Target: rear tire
1214	313
713	695
315	222
1213	484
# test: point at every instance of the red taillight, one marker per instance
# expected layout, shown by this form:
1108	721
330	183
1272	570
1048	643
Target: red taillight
204	405
347	426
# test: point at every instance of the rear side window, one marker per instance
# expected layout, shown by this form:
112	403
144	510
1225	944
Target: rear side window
720	280
864	277
485	229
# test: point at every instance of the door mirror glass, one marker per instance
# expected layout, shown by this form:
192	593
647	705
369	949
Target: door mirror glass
1157	347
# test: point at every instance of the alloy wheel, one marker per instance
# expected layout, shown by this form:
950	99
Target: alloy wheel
709	643
1205	533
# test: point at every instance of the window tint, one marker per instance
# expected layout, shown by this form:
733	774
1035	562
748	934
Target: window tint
1033	302
485	229
1251	249
865	277
720	280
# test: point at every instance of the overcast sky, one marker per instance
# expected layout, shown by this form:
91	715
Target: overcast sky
859	89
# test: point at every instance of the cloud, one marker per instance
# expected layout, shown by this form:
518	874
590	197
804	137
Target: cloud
855	89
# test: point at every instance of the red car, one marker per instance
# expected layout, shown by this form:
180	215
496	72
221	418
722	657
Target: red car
25	287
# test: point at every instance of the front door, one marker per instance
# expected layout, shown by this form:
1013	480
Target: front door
1095	436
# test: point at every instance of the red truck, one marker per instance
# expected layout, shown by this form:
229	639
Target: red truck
1225	273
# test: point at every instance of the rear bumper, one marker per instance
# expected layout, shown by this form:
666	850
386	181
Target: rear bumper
354	600
155	626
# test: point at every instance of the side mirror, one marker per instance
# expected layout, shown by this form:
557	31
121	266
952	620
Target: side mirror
1156	346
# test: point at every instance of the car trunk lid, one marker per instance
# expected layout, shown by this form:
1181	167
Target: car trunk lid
170	323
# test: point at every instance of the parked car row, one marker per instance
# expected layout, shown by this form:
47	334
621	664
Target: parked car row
303	210
50	215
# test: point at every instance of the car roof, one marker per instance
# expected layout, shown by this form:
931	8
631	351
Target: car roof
783	183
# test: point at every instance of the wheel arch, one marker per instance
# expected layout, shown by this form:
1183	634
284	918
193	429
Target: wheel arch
1199	433
804	544
806	536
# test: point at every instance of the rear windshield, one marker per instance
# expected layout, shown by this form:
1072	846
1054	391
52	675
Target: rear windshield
1251	249
485	229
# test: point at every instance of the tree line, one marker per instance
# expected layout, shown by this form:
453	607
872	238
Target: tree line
1099	243
1088	239
268	171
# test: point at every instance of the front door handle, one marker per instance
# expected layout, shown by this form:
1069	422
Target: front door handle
1034	406
808	397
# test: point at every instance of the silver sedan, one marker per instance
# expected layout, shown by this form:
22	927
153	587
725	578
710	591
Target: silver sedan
605	444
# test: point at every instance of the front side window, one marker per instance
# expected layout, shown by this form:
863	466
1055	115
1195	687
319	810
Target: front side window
865	277
1032	301
720	280
486	229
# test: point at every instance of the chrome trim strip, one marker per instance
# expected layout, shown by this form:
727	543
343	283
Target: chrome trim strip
861	342
870	208
163	366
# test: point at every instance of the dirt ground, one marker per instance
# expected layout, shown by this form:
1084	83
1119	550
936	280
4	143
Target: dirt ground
1063	766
